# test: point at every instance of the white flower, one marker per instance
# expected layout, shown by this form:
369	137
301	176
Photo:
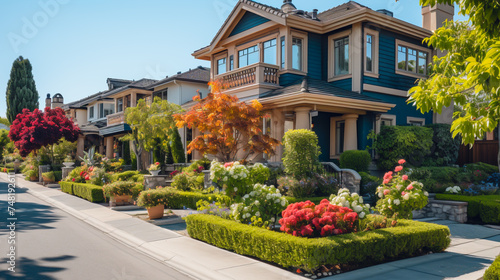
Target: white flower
246	196
426	193
257	214
283	202
272	220
360	200
380	194
235	189
361	215
257	202
396	201
357	208
225	179
406	196
389	201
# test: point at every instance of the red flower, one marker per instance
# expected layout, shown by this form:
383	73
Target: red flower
87	178
73	179
402	161
157	163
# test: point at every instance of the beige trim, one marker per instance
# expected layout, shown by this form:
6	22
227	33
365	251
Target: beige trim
385	90
355	61
333	138
340	77
411	46
216	58
292	71
378	123
331	56
375	52
414	119
289	57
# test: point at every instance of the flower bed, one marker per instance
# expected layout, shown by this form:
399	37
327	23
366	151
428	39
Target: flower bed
485	207
409	238
493	272
92	193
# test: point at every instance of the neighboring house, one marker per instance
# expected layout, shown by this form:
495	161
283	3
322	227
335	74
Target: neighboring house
101	116
342	72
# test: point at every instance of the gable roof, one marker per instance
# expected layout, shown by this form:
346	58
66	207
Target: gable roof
199	74
326	21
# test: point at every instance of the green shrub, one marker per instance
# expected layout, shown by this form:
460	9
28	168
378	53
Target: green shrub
123	188
488	169
485	207
49	176
357	160
408	239
301	153
445	148
126	152
89	192
412	143
151	198
58	175
315	200
176	199
493	272
177	148
369	183
127	176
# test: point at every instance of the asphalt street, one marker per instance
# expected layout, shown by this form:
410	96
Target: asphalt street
51	244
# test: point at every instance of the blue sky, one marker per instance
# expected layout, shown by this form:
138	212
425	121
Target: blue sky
75	45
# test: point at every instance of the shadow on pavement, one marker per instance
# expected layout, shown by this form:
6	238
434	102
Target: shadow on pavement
30	215
27	268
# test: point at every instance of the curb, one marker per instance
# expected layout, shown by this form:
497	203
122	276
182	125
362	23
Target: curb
179	263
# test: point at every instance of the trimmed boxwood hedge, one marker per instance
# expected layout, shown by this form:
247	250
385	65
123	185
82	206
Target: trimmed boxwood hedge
92	193
179	199
485	207
408	239
493	272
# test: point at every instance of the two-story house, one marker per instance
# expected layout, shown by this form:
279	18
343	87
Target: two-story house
342	72
101	116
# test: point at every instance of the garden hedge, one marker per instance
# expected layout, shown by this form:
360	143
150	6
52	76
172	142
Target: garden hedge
408	239
315	200
92	193
485	207
493	272
179	199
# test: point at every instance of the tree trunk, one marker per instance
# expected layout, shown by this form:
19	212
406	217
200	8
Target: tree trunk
137	149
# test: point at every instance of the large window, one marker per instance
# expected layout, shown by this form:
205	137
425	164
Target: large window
270	51
248	56
105	109
341	56
297	53
412	60
369	53
221	66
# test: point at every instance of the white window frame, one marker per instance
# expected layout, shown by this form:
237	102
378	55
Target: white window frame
93	112
409	120
417	48
375	53
331	55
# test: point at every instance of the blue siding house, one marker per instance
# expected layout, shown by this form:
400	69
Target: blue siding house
342	73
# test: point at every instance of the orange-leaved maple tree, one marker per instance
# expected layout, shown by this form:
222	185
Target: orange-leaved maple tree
226	126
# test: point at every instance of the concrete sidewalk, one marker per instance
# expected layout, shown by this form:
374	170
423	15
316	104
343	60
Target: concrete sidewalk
472	250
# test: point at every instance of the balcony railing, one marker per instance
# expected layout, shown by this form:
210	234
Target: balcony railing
255	74
116	118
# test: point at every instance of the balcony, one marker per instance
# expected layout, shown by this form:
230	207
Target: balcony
116	118
255	74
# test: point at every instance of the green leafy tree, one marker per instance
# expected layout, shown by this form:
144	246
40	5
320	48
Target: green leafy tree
468	73
177	147
5	121
4	140
21	89
149	123
168	155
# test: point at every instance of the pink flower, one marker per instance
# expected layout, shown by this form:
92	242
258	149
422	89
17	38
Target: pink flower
386	181
227	164
410	187
403	193
402	161
398	168
386	192
405	177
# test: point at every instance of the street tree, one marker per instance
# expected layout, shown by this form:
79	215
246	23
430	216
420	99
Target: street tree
227	126
149	124
21	89
468	73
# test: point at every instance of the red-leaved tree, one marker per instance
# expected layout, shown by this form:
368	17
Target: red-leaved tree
31	131
227	126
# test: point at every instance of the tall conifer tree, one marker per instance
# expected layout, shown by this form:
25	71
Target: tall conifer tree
21	89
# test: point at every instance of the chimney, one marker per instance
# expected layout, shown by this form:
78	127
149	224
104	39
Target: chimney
433	17
288	7
48	101
315	14
57	100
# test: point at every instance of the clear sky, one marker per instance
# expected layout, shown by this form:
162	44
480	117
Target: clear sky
75	45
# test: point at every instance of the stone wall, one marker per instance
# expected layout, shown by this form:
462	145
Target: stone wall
151	182
443	209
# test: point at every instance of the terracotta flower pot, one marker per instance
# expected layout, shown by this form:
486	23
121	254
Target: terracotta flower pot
156	212
33	178
121	199
48	180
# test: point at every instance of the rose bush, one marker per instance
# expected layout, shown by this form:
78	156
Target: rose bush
399	196
310	220
353	201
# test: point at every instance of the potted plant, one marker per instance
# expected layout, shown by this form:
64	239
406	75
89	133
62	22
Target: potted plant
154	169
122	192
68	161
32	175
154	201
48	177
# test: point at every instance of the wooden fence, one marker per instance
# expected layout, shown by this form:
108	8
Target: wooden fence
483	151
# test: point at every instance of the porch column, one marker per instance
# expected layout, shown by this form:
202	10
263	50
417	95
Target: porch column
195	155
351	132
133	99
277	132
302	118
80	146
109	147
